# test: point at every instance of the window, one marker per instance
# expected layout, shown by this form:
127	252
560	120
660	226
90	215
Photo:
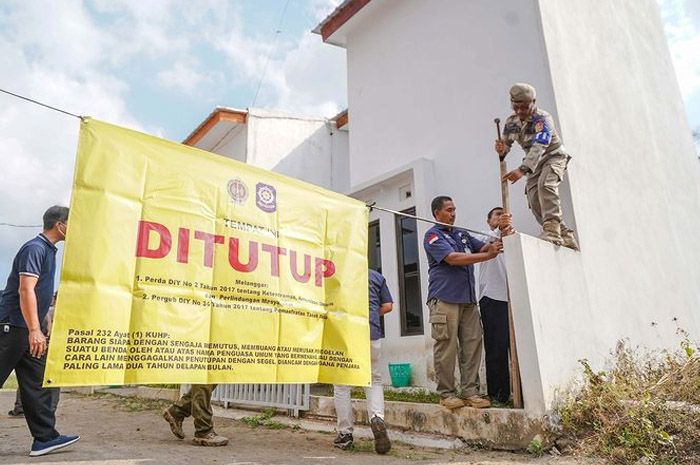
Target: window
374	255
409	276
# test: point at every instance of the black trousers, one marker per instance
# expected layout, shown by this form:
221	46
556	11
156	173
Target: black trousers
55	397
14	355
494	317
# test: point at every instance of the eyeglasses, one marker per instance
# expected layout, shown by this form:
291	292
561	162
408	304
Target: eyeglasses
521	106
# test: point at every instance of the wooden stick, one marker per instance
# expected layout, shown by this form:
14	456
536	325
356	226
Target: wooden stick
514	364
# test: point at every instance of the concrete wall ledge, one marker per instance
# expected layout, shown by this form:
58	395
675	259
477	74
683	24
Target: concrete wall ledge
502	429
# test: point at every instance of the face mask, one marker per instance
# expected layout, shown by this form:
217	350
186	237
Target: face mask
63	232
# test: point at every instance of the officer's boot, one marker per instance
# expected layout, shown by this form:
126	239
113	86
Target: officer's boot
568	239
551	232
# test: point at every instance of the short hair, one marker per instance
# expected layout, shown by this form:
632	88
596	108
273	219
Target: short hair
438	202
53	215
492	211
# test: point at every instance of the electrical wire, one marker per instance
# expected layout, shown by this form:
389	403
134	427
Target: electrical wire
36	102
278	31
427	220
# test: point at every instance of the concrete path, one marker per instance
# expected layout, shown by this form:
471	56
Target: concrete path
126	431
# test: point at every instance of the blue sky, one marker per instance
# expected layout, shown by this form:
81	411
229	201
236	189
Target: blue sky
161	66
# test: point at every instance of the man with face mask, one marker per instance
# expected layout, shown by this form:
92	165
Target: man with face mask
24	305
544	163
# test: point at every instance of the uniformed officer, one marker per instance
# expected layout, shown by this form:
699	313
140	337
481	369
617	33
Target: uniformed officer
544	163
454	317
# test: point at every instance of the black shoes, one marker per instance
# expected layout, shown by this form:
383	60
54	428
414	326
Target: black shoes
343	441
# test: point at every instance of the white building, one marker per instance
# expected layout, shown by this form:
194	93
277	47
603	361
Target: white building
425	81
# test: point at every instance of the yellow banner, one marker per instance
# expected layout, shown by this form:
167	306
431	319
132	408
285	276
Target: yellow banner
182	266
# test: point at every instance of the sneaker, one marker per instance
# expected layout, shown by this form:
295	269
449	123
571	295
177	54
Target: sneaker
477	402
452	402
210	440
382	445
15	414
43	448
175	424
343	441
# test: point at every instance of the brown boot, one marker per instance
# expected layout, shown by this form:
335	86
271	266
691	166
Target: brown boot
211	439
477	402
551	232
452	402
568	238
175	424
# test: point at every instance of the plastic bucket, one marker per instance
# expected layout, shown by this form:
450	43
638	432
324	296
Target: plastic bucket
400	374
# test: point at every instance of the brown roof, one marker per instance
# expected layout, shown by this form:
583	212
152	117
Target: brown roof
219	114
339	16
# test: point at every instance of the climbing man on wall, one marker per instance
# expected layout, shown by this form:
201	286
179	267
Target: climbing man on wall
544	163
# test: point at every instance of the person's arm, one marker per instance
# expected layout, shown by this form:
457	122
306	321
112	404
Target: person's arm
462	259
385	300
30	313
504	144
541	141
386	308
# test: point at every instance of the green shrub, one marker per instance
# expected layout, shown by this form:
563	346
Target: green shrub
641	408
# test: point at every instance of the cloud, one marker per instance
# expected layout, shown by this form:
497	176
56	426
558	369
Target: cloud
682	28
55	53
302	75
184	76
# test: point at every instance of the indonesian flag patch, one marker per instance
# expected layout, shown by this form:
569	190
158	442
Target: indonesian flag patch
432	238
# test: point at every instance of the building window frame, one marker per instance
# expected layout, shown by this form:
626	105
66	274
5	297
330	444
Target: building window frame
407	330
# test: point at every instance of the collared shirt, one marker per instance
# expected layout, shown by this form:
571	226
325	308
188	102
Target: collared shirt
536	135
378	295
450	283
35	258
492	277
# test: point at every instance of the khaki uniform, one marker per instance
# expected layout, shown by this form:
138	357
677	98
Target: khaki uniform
545	162
456	329
197	402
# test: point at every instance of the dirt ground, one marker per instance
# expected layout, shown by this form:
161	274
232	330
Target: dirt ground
123	431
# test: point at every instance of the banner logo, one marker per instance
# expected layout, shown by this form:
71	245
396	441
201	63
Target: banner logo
237	190
266	197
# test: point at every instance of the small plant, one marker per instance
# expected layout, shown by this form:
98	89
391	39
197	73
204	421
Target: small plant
264	419
536	447
630	413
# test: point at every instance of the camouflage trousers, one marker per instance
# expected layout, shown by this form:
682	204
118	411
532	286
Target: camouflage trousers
196	403
542	188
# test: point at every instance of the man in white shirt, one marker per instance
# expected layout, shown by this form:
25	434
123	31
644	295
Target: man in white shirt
493	292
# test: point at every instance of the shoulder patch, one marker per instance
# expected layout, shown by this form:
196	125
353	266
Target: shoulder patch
543	137
432	237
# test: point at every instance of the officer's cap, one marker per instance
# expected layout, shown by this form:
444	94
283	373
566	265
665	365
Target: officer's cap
522	92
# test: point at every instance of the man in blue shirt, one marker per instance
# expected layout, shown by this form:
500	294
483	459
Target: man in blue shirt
380	303
23	306
454	316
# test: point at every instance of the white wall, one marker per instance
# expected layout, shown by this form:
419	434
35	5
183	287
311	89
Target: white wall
636	192
295	146
233	145
426	79
309	149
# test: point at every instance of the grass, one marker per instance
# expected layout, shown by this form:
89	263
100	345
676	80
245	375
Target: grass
639	409
265	419
163	386
133	403
10	383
